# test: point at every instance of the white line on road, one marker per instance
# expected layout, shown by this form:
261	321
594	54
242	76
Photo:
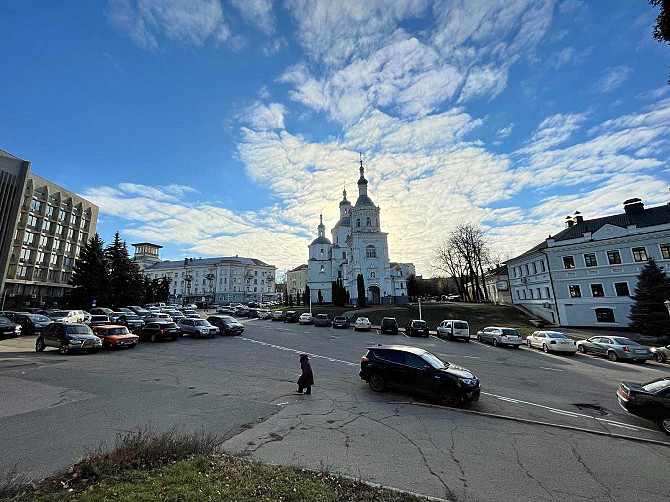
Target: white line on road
272	345
551	369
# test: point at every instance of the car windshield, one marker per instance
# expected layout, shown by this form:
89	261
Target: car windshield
340	318
116	331
4	320
419	324
167	325
556	335
322	316
625	341
510	332
201	323
59	315
362	319
657	385
38	318
434	361
99	318
460	325
132	317
388	321
78	330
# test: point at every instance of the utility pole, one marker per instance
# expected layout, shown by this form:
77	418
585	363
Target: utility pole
420	309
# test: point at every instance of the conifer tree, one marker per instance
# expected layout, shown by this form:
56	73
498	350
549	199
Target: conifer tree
89	276
125	279
648	314
360	284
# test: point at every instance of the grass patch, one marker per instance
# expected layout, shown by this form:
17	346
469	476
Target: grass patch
135	470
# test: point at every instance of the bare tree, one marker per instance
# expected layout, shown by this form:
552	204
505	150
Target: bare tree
449	261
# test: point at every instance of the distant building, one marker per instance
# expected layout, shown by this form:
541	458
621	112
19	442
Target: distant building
496	282
296	281
585	274
223	279
42	229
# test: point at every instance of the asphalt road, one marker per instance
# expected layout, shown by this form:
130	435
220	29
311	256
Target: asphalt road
547	427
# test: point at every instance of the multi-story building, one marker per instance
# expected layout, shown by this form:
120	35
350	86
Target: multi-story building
296	281
496	282
223	279
585	274
43	227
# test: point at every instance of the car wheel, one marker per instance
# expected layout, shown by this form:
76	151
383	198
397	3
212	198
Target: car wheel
153	338
197	334
109	346
659	357
479	338
664	423
495	342
612	356
39	344
581	349
447	396
545	348
377	382
63	349
530	346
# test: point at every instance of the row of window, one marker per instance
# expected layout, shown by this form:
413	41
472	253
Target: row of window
42	274
639	254
598	290
533	294
209	272
530	268
368	222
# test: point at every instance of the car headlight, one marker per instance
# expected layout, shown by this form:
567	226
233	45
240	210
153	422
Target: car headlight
469	381
17	329
75	342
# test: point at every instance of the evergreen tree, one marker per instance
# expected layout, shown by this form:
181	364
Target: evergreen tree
334	292
320	297
305	296
125	279
648	314
360	284
89	276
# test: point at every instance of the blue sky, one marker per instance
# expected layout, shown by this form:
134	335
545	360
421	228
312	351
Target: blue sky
225	127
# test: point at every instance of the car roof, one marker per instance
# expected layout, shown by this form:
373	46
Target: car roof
109	326
405	348
454	320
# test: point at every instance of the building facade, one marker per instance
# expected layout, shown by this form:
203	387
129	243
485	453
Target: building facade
358	247
223	279
496	282
585	274
43	229
296	281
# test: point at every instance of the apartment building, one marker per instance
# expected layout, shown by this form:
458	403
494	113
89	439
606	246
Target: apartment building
296	281
43	227
585	274
222	279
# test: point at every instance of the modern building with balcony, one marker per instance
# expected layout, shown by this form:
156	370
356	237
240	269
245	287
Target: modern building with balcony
296	281
42	228
586	273
217	280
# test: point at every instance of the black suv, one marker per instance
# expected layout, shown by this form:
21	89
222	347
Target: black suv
156	331
227	325
415	369
417	327
291	316
9	328
389	325
68	337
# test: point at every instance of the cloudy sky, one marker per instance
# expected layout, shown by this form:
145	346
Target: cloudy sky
220	127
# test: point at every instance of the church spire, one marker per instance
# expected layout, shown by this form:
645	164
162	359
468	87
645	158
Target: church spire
321	227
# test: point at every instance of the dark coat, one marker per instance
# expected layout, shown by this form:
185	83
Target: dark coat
307	377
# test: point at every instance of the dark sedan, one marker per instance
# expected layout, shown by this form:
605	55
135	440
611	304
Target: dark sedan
227	325
649	400
9	328
131	321
322	320
340	322
32	324
291	316
417	370
156	331
417	327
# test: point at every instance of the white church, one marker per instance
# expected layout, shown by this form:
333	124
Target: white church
358	246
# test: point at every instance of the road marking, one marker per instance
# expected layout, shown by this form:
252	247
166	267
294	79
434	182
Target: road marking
288	349
550	369
473	357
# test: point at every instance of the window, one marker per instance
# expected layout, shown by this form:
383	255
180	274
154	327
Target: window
67	262
534	268
590	260
344	255
368	222
568	262
539	294
614	257
32	221
373	275
542	266
597	290
546	293
25	255
54	259
621	289
665	251
371	251
44	241
35	205
21	271
49	212
47	226
59	229
575	291
322	270
70	233
532	296
358	222
40	257
527	271
321	251
605	315
29	239
639	254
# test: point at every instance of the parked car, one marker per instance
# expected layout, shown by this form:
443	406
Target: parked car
305	318
340	321
252	313
242	311
131	321
278	315
500	336
114	316
291	316
322	320
175	315
156	331
67	316
389	325
9	328
417	327
68	337
264	314
142	312
198	328
661	354
225	310
99	320
649	400
101	311
362	323
417	370
227	325
453	329
158	317
551	341
615	348
31	324
190	314
126	310
115	337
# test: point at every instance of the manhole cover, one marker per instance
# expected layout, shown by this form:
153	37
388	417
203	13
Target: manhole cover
592	407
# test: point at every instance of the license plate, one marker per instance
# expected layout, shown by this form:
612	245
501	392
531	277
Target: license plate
640	351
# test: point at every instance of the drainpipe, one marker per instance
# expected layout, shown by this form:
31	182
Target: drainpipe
553	290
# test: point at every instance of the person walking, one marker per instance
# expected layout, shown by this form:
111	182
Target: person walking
306	380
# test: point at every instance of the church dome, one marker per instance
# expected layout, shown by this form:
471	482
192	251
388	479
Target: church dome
364	200
321	240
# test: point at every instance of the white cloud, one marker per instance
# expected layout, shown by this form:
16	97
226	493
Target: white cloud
257	12
553	131
262	117
488	81
612	78
505	131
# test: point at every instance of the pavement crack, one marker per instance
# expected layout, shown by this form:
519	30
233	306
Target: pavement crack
525	470
579	459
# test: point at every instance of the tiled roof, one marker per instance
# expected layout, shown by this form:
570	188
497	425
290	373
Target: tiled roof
199	262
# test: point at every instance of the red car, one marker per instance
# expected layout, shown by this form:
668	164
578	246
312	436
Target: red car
115	337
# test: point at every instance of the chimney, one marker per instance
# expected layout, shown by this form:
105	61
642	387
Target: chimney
633	206
578	217
568	222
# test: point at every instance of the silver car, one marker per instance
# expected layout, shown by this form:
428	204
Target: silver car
615	348
198	328
500	336
661	354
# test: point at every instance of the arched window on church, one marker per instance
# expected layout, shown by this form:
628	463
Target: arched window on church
368	222
321	250
373	275
323	270
371	251
344	255
358	222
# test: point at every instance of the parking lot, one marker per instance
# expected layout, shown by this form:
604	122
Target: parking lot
547	427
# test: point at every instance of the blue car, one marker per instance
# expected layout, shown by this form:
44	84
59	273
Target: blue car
616	348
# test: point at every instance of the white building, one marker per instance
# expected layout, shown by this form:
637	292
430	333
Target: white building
358	247
296	281
584	275
222	279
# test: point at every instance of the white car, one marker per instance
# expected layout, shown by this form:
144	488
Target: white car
552	341
157	317
305	318
453	330
264	314
362	323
